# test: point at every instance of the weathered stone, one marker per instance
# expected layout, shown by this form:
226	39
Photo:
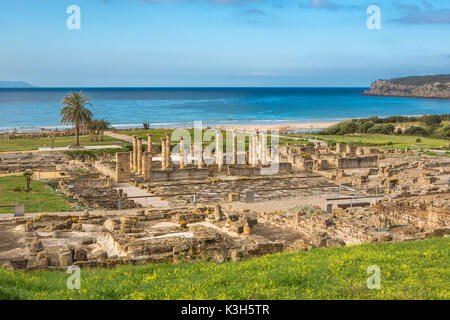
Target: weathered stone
66	258
56	234
19	263
28	226
385	237
36	245
80	255
235	255
111	225
248	229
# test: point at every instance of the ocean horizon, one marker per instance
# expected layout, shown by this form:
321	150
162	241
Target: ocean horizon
30	109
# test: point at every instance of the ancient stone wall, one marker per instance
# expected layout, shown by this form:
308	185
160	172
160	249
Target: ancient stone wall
357	162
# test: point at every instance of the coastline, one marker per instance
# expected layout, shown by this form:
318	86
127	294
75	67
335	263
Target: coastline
368	94
281	125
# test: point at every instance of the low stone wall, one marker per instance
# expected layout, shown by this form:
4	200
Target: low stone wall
357	162
179	174
105	169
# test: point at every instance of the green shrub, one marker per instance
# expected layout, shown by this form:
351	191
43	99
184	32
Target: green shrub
416	131
432	120
446	131
385	126
364	126
382	129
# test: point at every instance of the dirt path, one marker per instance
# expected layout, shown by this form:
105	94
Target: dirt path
119	136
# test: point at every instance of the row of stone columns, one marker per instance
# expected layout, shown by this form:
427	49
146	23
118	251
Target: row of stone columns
166	160
141	162
257	153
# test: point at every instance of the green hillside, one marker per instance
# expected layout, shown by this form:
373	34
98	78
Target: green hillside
409	270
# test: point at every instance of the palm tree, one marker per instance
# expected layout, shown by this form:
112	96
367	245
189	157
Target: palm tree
102	126
75	112
27	174
92	126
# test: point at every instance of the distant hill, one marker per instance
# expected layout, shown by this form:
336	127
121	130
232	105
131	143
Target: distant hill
15	84
433	87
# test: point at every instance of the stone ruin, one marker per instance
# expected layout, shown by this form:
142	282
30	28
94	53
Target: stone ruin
211	233
206	233
95	193
221	211
19	162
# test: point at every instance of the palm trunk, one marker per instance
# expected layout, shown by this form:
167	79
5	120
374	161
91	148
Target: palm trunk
77	134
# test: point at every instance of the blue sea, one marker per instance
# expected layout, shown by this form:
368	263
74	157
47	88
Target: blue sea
31	109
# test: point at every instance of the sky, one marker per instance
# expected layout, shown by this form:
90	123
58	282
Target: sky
235	43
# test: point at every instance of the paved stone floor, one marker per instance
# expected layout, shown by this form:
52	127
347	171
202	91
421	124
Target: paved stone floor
133	191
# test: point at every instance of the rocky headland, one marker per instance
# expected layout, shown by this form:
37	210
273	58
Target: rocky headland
429	87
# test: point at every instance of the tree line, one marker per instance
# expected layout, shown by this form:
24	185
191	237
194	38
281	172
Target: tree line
427	125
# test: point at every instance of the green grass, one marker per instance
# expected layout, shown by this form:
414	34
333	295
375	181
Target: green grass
72	154
41	198
157	134
409	270
384	141
35	144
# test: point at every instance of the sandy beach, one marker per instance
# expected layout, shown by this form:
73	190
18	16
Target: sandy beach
284	127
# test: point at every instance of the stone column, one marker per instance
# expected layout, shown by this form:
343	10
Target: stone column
149	149
181	153
163	154
192	153
258	148
264	148
168	156
149	143
146	166
250	148
219	150
139	155
198	149
122	167
134	153
131	160
234	159
254	150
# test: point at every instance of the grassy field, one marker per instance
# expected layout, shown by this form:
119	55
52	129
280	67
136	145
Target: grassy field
409	270
384	141
35	144
41	198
